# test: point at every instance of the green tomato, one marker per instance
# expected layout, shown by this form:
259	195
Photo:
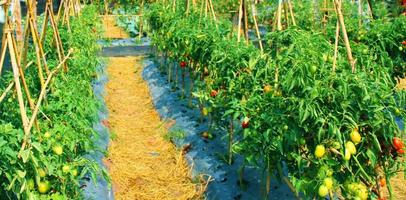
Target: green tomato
313	69
47	135
41	173
30	184
65	169
74	172
347	154
58	150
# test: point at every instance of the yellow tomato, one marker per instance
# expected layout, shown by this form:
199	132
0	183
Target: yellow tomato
323	191
351	147
328	182
320	151
355	136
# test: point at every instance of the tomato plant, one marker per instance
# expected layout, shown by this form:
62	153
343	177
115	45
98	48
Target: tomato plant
294	110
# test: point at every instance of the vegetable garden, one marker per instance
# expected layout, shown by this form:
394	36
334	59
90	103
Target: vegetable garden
308	93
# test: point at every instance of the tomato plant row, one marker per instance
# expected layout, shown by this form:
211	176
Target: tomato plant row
335	131
54	163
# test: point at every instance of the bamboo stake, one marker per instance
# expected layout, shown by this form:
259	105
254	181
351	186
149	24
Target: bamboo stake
3	51
291	13
239	22
360	13
18	25
9	87
206	7
187	7
279	13
336	46
370	9
44	24
56	35
285	12
23	112
212	10
254	17
344	32
245	21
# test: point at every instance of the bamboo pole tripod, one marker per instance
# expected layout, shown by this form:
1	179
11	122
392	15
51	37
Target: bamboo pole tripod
18	84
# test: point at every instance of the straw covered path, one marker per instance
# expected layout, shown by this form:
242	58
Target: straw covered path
141	163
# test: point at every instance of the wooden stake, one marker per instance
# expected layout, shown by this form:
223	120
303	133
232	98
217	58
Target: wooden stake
254	17
344	32
360	13
336	46
279	13
239	22
291	13
16	74
245	21
212	10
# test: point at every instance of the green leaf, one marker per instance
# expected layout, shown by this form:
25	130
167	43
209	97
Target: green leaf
25	154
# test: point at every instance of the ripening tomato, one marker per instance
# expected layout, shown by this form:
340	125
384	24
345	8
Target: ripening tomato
267	89
245	122
397	143
400	151
382	182
213	93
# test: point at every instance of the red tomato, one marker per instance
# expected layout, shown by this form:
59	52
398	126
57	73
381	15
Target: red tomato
404	42
397	143
400	151
183	64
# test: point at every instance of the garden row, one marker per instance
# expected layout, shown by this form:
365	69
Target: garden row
334	130
52	166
